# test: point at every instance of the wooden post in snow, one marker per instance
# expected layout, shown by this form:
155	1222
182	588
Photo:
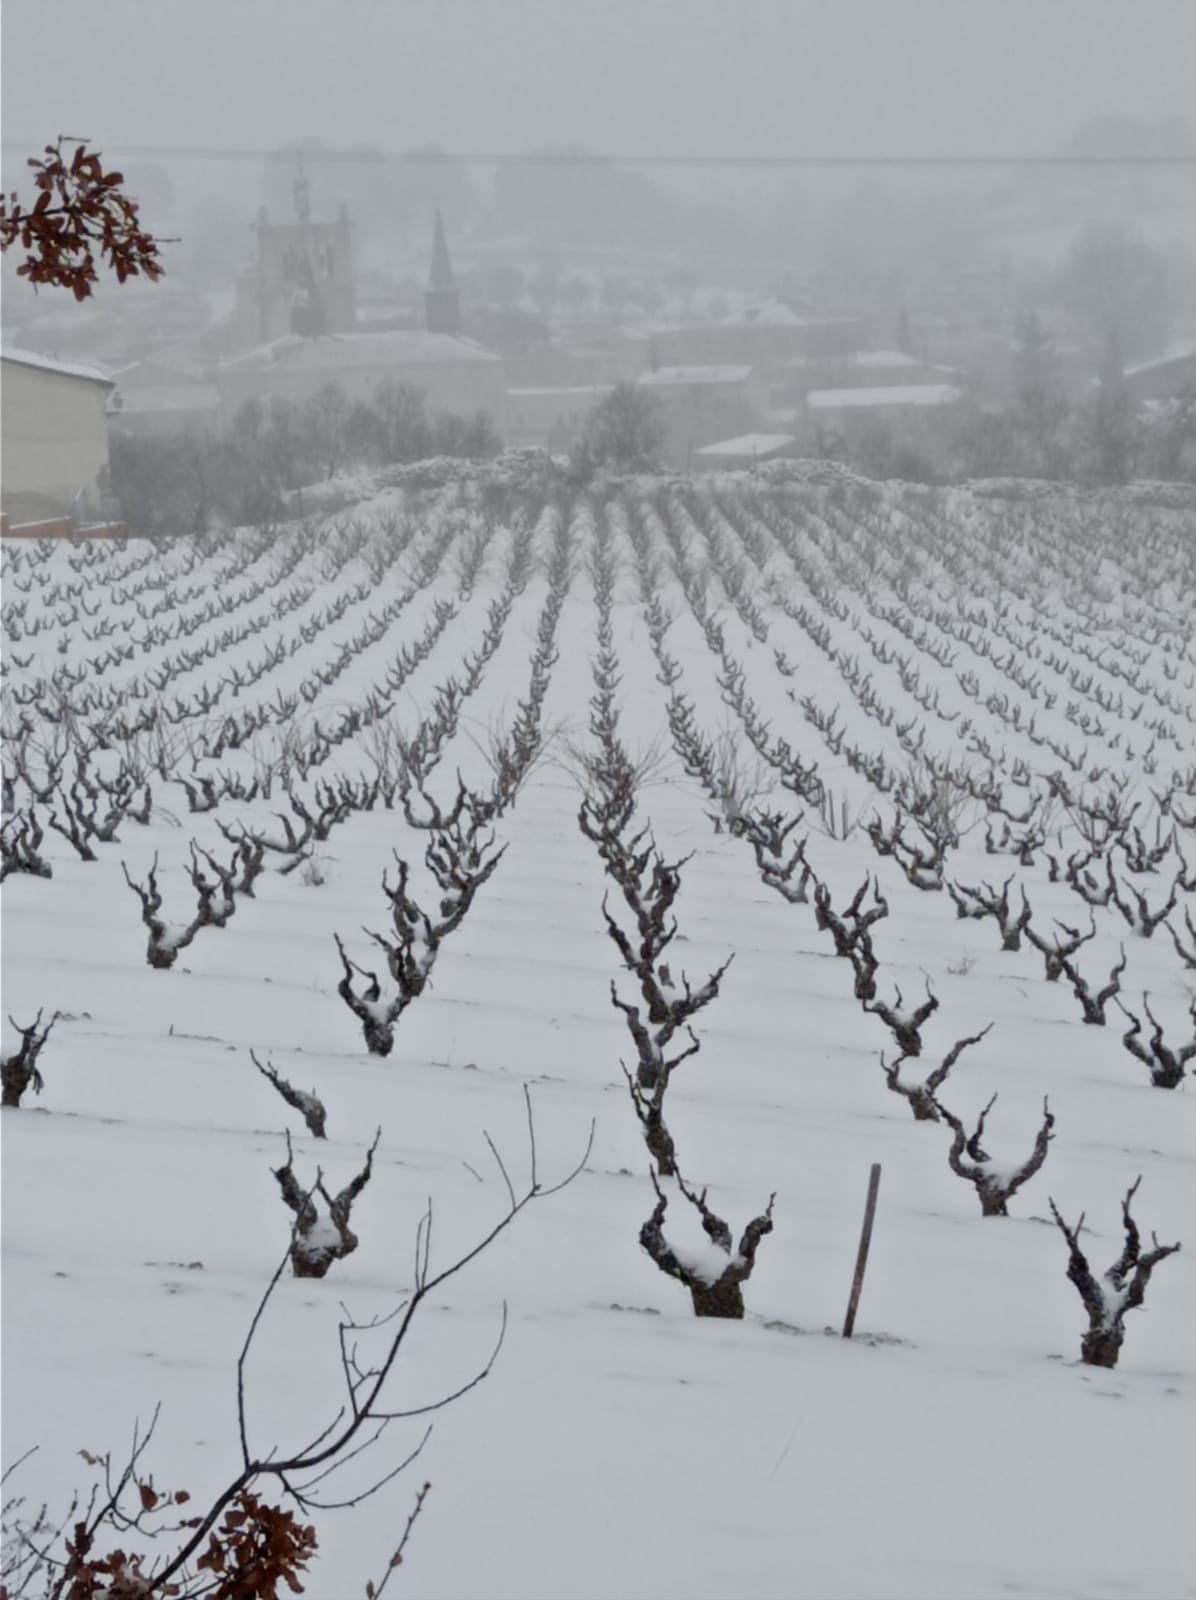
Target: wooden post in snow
861	1260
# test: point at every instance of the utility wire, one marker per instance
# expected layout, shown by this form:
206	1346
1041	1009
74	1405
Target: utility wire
582	158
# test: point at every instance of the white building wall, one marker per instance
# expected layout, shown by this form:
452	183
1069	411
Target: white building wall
53	432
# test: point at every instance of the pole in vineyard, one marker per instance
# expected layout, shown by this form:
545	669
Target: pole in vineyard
861	1260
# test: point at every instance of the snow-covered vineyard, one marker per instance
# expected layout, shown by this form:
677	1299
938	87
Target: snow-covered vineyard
478	785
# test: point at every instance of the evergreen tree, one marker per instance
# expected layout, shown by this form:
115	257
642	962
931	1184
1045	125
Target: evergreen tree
625	430
1111	430
1040	405
905	338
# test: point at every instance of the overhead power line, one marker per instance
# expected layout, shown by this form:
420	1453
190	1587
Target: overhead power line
583	158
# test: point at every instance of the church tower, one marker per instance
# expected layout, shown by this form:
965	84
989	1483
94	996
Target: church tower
442	302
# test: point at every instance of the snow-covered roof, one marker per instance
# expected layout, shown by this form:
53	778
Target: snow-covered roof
748	444
897	394
680	377
62	369
862	360
649	329
561	389
766	314
881	358
333	352
1182	351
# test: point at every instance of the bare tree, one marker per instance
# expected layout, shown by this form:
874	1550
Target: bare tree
767	832
215	906
376	1015
1167	1065
1057	948
18	1068
1040	400
20	841
1186	953
1122	1288
905	1026
1093	1005
1120	285
986	902
995	1184
921	1096
316	1244
715	1284
650	886
624	431
309	1105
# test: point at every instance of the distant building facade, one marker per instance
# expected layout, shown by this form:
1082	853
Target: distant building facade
884	400
302	282
454	374
765	336
703	404
861	369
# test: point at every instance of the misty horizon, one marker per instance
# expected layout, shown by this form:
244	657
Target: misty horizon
757	79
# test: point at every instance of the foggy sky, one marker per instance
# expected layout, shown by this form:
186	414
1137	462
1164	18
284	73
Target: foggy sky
944	77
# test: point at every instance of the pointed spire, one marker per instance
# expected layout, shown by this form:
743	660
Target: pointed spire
441	275
442	304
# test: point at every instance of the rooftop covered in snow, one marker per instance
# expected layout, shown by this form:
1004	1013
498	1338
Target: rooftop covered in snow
1178	350
897	394
61	369
749	446
335	351
682	377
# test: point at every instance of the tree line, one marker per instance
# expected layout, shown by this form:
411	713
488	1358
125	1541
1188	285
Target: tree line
274	449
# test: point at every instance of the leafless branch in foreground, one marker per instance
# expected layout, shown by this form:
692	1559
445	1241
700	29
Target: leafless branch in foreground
219	1546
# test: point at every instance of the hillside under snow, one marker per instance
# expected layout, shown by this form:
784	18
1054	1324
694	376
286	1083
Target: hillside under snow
939	707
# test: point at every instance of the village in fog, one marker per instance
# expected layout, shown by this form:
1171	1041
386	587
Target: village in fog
331	307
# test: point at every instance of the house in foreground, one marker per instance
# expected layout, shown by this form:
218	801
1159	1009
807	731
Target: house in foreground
54	433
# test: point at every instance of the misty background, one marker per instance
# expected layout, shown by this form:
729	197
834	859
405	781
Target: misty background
1002	195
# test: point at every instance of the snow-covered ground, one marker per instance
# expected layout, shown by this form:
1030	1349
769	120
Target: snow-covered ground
620	1447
